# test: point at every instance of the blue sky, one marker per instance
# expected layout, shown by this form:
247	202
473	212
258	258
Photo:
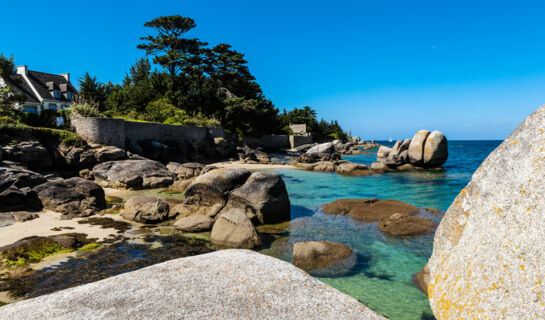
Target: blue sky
472	69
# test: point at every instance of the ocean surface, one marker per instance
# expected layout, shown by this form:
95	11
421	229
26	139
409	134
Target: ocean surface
382	277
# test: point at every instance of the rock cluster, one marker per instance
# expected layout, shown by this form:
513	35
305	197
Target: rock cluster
395	218
31	154
236	200
424	150
249	155
489	249
132	174
186	170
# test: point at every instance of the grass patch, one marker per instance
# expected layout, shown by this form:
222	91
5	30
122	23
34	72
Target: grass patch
90	247
46	136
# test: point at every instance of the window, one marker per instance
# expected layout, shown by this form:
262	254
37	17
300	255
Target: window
29	109
57	94
69	95
52	106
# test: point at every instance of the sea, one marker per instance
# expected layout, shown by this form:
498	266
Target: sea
381	279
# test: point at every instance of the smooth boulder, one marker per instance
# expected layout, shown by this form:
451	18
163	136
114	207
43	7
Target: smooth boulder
352	169
19	177
234	229
227	284
145	209
186	170
435	150
13	199
310	255
74	197
489	249
132	174
416	147
197	223
327	148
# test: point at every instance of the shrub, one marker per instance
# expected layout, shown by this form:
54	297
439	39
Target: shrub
87	110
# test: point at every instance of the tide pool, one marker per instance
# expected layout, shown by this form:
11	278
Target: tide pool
382	277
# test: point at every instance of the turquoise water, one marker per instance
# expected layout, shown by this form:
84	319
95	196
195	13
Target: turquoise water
382	277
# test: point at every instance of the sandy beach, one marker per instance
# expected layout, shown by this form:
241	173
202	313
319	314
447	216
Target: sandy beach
48	220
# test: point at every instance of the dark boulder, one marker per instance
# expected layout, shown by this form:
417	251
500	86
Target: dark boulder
133	174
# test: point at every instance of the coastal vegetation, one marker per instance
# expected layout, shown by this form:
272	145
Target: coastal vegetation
186	81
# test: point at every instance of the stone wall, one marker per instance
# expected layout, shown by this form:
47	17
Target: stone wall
117	132
296	141
268	142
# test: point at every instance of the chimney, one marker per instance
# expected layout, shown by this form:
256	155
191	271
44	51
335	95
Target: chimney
66	76
22	70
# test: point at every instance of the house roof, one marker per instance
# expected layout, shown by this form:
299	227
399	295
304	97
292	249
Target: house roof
19	85
42	81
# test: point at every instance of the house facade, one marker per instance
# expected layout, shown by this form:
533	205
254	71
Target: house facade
43	91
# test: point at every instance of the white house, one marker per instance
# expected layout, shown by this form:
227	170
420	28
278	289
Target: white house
43	91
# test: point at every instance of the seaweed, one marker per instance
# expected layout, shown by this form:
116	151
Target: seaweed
105	223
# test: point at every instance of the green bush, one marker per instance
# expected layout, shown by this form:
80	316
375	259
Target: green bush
87	110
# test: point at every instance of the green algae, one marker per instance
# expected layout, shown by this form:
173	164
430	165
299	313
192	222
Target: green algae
31	252
90	247
2	303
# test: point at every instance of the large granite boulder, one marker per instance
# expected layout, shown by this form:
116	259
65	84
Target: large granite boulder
109	153
399	154
310	255
421	279
435	150
248	285
29	153
383	153
74	197
209	192
369	210
234	229
263	197
133	174
145	209
196	223
416	147
489	249
186	170
13	199
327	148
18	177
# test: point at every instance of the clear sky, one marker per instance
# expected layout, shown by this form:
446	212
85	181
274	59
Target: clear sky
472	69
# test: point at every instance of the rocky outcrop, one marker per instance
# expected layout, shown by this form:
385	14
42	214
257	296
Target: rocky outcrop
133	174
19	177
352	169
31	154
488	252
144	209
186	170
424	150
234	229
263	197
312	255
80	158
400	225
327	148
241	279
74	197
197	223
249	155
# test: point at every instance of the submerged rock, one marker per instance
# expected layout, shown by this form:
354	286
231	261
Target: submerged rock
132	174
369	210
312	255
399	225
234	229
145	209
489	249
244	281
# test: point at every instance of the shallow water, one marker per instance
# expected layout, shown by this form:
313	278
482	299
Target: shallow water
382	278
